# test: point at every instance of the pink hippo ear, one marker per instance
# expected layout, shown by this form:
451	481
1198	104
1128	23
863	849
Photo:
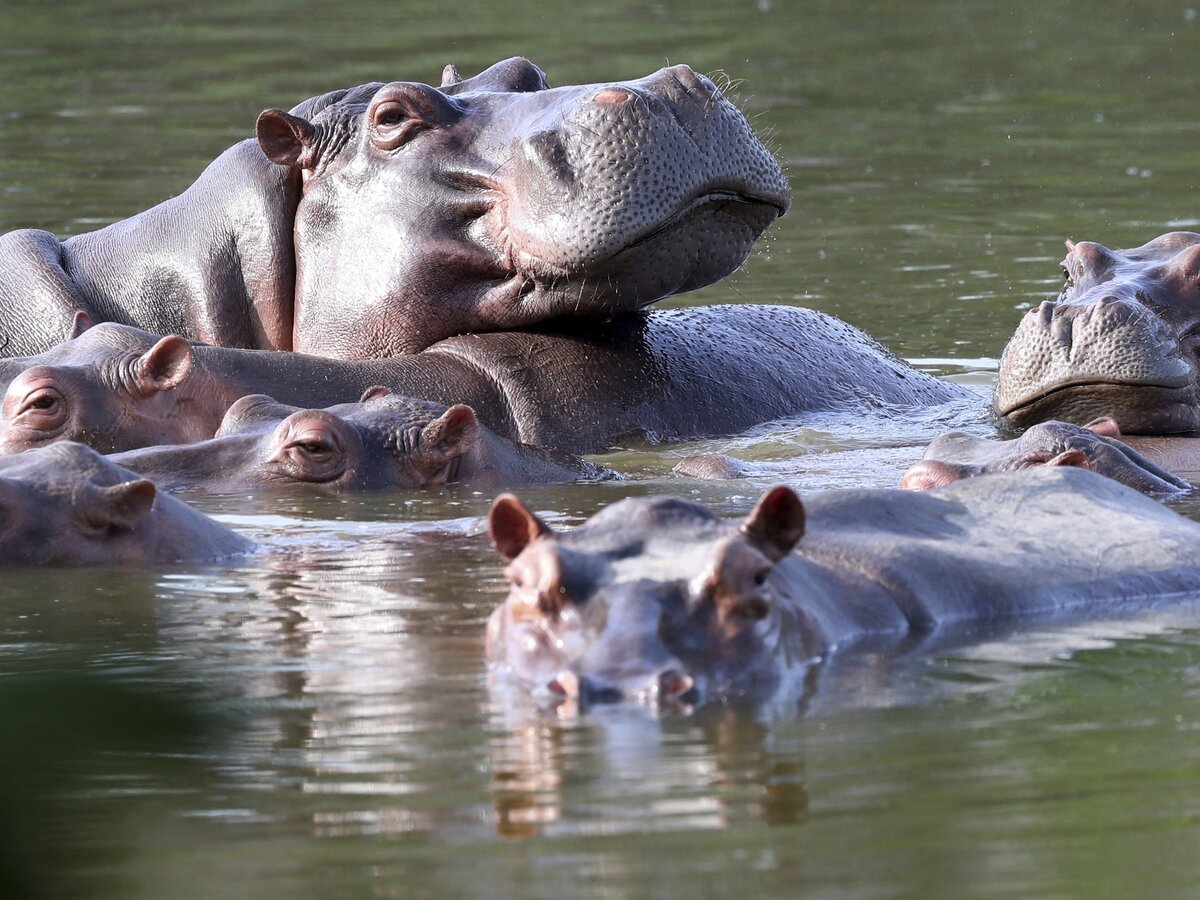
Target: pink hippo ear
164	366
1105	426
512	526
776	524
374	392
122	506
1076	458
286	139
81	323
451	435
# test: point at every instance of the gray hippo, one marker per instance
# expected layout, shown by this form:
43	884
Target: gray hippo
1099	446
659	600
377	220
666	375
67	505
1121	341
384	441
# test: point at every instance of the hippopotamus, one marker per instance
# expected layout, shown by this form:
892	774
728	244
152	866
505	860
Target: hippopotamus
67	505
379	219
665	375
1121	340
659	600
1098	446
383	441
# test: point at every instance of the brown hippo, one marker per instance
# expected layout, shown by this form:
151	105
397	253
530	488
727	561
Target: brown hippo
666	375
67	505
384	441
379	219
1121	340
660	600
1098	446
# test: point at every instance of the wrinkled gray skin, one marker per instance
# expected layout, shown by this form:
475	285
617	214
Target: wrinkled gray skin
387	216
67	505
659	601
957	455
668	375
1121	340
385	441
497	202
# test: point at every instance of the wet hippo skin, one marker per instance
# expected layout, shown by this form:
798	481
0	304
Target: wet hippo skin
660	601
379	219
666	375
67	505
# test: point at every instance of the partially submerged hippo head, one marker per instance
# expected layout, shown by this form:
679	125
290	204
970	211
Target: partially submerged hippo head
497	202
651	600
958	455
112	391
68	505
1121	340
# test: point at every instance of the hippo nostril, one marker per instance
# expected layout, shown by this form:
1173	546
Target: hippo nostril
612	95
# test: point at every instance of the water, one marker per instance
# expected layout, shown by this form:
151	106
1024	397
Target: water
317	722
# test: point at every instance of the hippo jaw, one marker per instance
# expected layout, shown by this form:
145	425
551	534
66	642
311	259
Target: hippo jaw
670	617
497	203
1122	340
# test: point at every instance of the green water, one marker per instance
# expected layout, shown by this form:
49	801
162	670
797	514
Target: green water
318	723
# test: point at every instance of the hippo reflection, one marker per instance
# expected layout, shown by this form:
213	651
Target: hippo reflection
383	441
67	505
379	219
659	600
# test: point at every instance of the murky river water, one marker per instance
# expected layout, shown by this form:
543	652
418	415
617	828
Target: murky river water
317	722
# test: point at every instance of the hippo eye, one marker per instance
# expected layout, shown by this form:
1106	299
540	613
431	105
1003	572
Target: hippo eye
389	115
760	577
44	401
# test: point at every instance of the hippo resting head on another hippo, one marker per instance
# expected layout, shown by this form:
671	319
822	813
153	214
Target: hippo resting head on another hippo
659	600
383	441
67	505
497	202
957	455
402	213
1121	340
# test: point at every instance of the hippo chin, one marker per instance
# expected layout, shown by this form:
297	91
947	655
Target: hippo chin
958	455
660	601
1121	340
383	441
67	505
377	220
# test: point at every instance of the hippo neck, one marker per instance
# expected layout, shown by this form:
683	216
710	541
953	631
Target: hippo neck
214	264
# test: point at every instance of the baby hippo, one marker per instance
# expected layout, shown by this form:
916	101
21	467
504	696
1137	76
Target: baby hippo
67	505
956	455
382	441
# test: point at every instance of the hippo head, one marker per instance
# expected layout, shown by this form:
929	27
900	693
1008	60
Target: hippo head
383	441
1121	340
650	600
497	202
112	394
958	455
68	505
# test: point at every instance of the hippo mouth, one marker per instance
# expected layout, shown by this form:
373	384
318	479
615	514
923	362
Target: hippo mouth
1082	400
717	201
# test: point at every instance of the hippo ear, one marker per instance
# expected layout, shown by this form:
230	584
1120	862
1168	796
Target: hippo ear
122	506
450	75
512	526
286	139
81	323
451	435
374	392
1105	426
164	366
1076	458
776	523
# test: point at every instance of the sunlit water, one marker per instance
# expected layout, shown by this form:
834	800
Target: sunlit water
317	720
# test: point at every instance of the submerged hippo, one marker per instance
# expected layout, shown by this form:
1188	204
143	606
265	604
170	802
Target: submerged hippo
384	441
1121	340
377	220
67	505
661	600
666	375
1098	446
